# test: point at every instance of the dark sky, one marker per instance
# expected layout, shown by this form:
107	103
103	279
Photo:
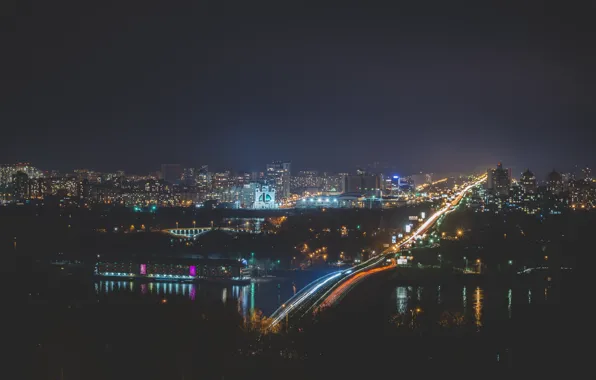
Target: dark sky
235	84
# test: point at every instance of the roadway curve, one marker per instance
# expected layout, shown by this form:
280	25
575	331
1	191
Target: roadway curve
329	289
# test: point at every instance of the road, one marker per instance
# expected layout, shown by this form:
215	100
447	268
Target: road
329	289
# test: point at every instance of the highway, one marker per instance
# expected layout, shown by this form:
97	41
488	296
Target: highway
329	289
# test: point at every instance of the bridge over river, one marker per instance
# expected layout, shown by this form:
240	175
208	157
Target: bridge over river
329	289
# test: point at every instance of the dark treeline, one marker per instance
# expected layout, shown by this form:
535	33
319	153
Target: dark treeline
80	233
514	240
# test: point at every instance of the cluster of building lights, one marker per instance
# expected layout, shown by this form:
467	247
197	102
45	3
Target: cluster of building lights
165	276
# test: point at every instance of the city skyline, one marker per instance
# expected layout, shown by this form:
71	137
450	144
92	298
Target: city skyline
389	170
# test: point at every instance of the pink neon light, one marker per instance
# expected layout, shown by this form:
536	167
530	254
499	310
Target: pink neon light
193	270
144	269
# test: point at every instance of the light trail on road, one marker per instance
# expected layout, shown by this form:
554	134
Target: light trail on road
347	285
336	286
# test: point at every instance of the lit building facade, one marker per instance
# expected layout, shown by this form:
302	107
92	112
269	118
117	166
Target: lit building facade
554	182
278	176
528	182
366	184
264	198
172	270
499	180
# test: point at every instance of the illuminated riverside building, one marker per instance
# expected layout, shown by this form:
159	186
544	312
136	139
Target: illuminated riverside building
174	269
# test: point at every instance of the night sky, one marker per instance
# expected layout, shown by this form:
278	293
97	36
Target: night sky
133	84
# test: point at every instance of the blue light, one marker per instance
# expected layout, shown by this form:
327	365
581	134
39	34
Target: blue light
395	177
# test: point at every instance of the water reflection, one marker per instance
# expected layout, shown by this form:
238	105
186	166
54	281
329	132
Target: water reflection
158	288
478	298
252	297
509	302
457	306
401	295
264	296
434	301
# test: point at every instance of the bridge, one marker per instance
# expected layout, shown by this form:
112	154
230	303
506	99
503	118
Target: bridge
329	289
190	233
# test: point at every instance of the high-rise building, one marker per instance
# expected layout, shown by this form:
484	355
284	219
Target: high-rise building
204	182
20	185
587	172
499	180
83	189
278	176
222	180
528	182
189	176
554	182
306	180
333	183
247	195
421	179
365	184
171	173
